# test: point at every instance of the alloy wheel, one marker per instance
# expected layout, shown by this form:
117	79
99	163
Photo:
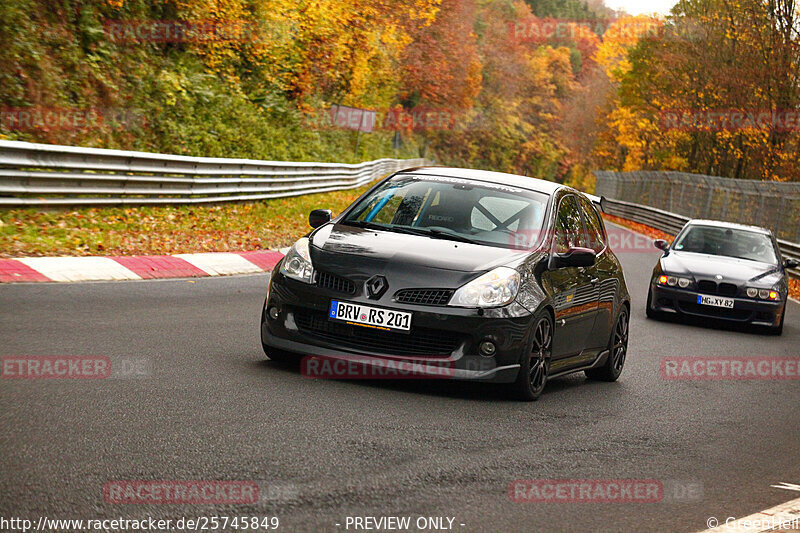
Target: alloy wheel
540	354
619	346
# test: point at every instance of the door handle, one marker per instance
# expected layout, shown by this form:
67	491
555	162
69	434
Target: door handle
562	322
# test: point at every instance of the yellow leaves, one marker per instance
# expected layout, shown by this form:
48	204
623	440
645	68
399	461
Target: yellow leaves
619	38
347	48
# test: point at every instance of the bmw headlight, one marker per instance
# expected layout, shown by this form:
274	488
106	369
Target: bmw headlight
671	281
297	263
764	294
496	288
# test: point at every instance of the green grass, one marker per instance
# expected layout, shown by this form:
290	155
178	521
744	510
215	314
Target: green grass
159	230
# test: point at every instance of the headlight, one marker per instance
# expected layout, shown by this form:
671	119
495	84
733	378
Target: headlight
297	263
764	294
671	281
495	288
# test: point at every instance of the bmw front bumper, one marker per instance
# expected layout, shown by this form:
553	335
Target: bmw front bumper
676	301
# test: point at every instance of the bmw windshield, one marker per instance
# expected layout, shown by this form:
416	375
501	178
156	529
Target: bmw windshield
737	243
456	209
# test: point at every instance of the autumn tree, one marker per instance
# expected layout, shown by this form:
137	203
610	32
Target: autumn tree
712	57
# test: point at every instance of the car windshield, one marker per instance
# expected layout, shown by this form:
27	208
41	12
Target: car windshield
454	208
729	242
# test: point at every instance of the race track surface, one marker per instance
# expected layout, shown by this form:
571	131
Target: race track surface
211	407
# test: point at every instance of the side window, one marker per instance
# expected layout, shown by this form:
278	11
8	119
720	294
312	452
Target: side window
569	228
595	236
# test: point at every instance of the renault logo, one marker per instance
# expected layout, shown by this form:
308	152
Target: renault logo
376	286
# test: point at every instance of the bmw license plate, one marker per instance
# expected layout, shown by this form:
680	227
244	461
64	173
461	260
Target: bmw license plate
370	317
716	301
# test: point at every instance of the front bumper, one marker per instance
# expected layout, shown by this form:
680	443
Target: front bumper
440	337
672	300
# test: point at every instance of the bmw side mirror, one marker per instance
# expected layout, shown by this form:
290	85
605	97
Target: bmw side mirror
318	217
661	244
791	263
574	257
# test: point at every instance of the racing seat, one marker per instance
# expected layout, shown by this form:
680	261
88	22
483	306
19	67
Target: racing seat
452	212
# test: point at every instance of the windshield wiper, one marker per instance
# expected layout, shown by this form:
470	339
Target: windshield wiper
451	236
366	224
409	230
434	233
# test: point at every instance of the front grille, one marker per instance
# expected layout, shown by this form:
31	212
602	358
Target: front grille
711	287
424	296
707	287
715	312
335	283
421	341
727	289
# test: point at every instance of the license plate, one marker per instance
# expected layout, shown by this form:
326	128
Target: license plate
716	301
370	317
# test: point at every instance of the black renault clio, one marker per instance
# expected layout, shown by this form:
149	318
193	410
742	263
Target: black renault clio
497	277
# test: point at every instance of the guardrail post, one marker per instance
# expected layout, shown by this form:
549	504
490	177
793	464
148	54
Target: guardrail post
725	204
710	195
780	218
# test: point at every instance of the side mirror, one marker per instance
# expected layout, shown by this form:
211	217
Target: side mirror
574	257
318	217
661	244
791	263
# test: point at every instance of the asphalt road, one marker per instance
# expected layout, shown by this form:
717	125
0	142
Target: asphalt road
210	407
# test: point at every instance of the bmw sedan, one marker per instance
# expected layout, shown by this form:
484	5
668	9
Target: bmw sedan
724	271
496	277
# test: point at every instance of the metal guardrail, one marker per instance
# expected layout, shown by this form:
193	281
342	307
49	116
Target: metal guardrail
770	204
52	175
672	223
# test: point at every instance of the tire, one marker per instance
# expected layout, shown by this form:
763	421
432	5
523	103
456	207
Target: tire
532	376
617	351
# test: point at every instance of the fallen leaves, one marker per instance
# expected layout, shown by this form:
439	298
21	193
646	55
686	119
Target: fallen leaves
164	229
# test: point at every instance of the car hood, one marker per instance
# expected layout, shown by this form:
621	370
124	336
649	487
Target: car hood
417	260
704	266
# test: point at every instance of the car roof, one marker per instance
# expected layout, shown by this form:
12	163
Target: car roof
731	225
513	180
